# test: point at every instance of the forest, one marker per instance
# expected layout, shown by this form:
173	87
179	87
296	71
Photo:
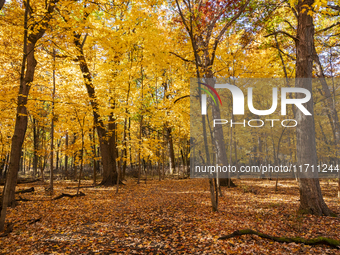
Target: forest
117	116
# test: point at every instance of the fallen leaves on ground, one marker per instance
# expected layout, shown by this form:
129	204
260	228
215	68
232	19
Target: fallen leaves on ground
167	217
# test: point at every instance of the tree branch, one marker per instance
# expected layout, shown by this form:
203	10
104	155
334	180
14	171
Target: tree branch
286	54
218	38
181	98
282	32
292	8
182	16
184	59
334	7
83	43
327	28
315	241
290	24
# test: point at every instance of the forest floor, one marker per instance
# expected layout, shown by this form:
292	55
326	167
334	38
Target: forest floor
167	217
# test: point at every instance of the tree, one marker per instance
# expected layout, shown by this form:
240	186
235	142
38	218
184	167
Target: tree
32	35
311	200
200	21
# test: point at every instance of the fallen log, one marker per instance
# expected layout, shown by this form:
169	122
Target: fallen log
25	191
34	221
315	241
82	187
81	194
22	199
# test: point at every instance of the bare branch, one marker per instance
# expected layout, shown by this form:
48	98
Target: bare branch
289	24
218	38
282	32
327	28
286	54
282	61
184	59
292	8
59	55
181	98
183	19
82	44
334	7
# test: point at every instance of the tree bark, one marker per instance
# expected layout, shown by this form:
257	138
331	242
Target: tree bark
106	137
2	2
28	66
93	138
329	101
81	156
221	153
20	127
36	146
171	150
311	200
57	160
5	168
66	156
124	134
139	148
206	63
52	128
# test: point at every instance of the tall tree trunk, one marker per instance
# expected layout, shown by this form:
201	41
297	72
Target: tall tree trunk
118	162
72	165
28	66
140	127
124	154
139	147
74	158
21	167
332	112
171	150
4	174
2	166
159	166
206	62
329	100
66	156
221	152
24	161
93	136
81	158
124	135
52	128
311	200
183	162
130	154
35	146
188	157
106	137
163	155
57	163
